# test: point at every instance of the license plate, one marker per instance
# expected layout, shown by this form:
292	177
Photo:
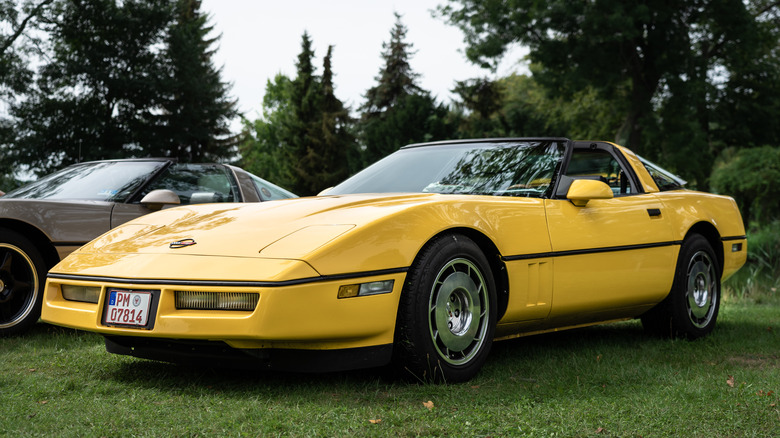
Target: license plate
127	307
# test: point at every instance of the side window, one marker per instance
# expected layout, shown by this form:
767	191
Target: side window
197	183
600	165
268	191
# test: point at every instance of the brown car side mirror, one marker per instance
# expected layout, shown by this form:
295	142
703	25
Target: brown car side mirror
157	199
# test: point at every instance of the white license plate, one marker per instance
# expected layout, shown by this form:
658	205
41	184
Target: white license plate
128	307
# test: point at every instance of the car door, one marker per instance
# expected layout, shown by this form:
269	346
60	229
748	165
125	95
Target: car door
611	256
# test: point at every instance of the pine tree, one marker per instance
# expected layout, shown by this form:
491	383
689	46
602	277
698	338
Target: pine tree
339	147
305	135
197	107
396	80
397	111
301	131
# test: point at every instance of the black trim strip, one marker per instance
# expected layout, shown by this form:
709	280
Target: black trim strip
726	239
227	283
589	251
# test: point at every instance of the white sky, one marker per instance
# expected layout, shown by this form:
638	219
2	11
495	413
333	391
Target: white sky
261	38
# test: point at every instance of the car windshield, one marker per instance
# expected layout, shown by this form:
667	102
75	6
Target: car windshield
522	168
96	181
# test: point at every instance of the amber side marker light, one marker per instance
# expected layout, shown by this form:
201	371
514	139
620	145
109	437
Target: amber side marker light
195	300
86	294
365	289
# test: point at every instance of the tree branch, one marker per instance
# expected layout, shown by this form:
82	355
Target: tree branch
18	32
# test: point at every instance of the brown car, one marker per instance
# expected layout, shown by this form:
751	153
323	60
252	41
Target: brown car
46	220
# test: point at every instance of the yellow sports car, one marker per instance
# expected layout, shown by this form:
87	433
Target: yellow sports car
421	261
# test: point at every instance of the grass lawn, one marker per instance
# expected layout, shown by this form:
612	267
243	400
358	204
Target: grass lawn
610	380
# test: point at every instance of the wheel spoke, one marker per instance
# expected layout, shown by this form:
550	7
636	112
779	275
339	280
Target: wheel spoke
5	266
458	311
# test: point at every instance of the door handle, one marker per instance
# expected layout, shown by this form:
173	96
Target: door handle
653	212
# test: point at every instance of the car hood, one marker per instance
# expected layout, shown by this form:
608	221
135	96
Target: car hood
289	229
292	239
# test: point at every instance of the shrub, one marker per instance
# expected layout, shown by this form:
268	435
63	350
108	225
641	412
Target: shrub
752	177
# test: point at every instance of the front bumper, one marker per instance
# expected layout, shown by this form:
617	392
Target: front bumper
306	316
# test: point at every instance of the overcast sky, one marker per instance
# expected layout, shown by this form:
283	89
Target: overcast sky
261	38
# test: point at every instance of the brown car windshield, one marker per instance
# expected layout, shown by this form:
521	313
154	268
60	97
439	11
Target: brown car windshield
112	181
523	168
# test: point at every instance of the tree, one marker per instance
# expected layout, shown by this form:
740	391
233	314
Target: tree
304	139
338	155
122	79
262	148
659	63
15	19
99	93
750	175
397	111
197	106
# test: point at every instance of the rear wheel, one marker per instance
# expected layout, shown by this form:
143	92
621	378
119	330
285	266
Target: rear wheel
447	314
22	273
692	306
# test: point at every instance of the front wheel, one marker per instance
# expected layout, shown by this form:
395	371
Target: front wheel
447	314
692	306
22	274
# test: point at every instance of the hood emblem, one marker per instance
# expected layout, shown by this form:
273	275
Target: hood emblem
182	243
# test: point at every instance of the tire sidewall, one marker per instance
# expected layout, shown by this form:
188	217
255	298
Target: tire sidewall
23	245
681	323
419	355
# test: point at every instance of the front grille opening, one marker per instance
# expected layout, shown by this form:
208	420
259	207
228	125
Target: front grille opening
196	300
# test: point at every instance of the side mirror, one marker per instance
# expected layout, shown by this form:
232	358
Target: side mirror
583	190
157	199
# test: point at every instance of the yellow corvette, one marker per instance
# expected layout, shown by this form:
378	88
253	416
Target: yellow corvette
421	261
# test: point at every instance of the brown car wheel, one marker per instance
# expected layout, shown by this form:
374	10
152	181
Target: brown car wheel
22	275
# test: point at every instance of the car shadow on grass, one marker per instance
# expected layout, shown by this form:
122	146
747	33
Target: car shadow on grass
509	359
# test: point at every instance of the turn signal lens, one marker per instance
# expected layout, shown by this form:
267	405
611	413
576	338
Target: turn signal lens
86	294
365	289
194	300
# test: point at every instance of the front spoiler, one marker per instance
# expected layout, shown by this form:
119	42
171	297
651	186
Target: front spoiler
220	355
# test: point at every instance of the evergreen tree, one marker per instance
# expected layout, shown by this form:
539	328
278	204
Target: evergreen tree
338	155
302	130
197	107
397	111
304	140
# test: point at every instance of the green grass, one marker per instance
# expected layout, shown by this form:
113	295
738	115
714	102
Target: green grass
610	380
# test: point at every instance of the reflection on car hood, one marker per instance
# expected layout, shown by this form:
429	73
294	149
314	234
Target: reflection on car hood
277	229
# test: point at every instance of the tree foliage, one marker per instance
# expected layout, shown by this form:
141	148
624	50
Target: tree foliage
197	108
751	176
668	67
397	111
129	78
303	142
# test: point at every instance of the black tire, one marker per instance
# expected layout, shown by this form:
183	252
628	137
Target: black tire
22	276
691	308
447	314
